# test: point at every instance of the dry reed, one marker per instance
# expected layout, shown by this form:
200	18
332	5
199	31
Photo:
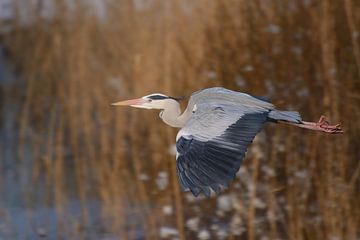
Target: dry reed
303	54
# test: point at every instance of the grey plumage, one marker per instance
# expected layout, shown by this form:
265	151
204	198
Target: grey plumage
217	127
213	142
202	165
288	116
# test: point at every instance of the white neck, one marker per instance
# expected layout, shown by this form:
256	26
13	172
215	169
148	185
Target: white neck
171	115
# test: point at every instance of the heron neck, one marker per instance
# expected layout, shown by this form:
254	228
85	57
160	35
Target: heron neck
172	116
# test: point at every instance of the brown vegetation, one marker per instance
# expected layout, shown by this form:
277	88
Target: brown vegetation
295	184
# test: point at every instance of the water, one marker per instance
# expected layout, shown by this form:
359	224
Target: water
20	219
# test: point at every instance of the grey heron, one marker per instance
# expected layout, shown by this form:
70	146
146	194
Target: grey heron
217	127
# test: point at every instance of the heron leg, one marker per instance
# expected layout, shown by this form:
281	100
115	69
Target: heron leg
322	125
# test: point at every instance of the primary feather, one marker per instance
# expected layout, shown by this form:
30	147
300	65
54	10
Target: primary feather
213	143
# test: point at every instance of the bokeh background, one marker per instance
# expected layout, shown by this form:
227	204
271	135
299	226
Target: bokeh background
72	167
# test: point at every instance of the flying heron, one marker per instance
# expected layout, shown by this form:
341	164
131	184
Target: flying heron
217	127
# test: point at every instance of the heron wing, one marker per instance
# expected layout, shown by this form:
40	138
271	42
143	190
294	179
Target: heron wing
223	94
213	143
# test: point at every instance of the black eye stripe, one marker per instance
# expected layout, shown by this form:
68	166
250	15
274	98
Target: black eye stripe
157	97
160	97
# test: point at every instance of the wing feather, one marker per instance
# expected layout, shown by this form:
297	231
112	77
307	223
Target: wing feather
213	143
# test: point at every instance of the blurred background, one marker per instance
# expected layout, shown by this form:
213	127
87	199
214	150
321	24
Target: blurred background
72	167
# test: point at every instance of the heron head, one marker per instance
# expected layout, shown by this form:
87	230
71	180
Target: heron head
152	101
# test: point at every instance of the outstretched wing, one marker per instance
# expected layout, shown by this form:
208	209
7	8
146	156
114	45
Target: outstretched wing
213	143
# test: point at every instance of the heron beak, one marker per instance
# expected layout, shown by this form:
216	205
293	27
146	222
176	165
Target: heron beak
133	102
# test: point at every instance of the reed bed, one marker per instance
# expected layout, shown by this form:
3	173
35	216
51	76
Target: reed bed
117	164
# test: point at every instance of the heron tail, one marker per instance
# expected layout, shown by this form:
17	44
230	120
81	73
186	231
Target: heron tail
288	116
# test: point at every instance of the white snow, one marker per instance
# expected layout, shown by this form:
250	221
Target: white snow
167	210
162	180
193	224
204	234
166	232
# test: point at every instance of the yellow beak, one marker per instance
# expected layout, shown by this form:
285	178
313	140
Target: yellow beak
131	102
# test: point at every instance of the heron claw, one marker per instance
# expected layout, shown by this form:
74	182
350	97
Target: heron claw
324	125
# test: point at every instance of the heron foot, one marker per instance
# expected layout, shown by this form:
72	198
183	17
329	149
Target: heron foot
324	125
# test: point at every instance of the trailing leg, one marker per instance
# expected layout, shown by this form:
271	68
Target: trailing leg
322	125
